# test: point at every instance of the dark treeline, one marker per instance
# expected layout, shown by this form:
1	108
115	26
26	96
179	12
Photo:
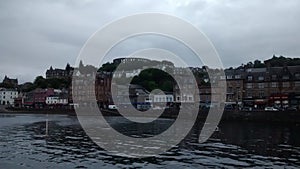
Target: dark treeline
149	78
41	82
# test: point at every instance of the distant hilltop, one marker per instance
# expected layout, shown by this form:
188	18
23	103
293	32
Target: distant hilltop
273	62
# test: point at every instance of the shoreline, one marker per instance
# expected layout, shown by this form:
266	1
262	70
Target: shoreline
261	116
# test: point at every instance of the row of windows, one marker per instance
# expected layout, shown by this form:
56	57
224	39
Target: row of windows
167	99
185	98
11	93
231	77
260	78
3	97
260	94
273	77
57	101
272	84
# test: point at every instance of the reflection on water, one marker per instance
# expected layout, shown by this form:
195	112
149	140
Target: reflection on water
236	144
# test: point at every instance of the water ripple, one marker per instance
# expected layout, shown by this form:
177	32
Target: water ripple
23	144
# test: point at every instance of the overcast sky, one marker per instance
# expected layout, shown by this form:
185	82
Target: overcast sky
35	34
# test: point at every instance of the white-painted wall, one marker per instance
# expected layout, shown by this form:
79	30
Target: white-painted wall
7	96
162	98
52	100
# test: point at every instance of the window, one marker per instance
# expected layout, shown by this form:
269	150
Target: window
250	78
297	84
274	84
222	77
285	77
274	77
237	76
297	75
285	84
261	85
261	94
249	94
261	78
229	77
249	85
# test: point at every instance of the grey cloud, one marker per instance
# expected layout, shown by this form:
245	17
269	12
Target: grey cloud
36	34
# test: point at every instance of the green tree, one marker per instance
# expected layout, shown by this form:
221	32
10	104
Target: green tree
152	79
40	82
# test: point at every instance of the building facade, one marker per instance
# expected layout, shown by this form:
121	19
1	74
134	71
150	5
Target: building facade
60	73
272	86
7	96
37	98
9	83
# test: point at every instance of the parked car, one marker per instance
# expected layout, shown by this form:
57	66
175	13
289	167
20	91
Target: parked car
271	109
279	108
293	108
247	109
157	108
112	107
228	107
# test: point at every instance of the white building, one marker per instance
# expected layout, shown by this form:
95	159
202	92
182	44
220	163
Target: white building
127	73
7	96
56	100
161	98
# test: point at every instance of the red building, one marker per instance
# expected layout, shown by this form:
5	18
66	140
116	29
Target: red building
37	97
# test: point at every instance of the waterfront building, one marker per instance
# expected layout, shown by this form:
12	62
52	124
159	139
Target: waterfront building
235	85
84	88
253	85
37	98
103	88
138	96
56	100
256	87
272	86
162	98
284	86
255	94
190	89
7	96
19	101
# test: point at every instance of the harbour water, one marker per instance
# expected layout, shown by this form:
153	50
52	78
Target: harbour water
23	144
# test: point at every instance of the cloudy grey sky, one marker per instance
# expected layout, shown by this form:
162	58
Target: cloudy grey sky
38	33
